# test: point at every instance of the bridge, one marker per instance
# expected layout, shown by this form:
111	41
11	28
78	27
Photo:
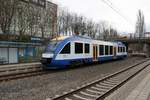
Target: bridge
133	40
140	45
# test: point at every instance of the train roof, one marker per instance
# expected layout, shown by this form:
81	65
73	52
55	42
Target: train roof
86	39
61	38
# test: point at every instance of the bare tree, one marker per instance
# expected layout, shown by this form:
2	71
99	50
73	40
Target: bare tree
45	23
72	23
104	29
140	24
23	18
140	29
79	25
7	11
34	17
60	21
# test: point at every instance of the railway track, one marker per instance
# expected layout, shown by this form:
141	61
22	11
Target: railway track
20	72
99	89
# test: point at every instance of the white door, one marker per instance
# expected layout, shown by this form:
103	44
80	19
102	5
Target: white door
13	56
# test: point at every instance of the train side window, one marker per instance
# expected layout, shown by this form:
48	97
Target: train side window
111	50
121	49
106	50
101	49
124	49
66	49
78	48
87	48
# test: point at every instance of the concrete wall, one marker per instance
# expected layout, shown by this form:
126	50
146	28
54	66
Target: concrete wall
139	48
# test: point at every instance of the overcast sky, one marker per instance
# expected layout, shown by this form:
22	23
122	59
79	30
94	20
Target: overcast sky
97	10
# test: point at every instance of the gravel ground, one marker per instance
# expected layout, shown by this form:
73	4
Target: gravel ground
57	82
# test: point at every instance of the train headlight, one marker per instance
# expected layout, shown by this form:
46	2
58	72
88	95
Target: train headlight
46	55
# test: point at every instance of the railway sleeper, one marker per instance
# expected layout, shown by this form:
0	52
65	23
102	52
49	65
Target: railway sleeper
104	84
99	89
69	99
120	76
74	97
17	72
109	80
94	91
117	76
103	87
91	93
22	68
126	76
80	96
110	83
113	79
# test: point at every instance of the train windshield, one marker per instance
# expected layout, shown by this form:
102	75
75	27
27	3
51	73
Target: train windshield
51	46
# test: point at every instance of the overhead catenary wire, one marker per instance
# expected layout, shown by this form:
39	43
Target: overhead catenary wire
110	4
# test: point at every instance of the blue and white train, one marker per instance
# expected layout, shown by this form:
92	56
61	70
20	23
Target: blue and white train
64	52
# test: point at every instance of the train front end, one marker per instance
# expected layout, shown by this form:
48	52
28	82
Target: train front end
48	55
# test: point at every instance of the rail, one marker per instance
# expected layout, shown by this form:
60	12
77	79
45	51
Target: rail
10	73
101	88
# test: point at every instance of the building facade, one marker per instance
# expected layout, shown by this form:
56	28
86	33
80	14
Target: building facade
32	22
34	18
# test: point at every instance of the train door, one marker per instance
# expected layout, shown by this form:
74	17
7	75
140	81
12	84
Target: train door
95	52
114	52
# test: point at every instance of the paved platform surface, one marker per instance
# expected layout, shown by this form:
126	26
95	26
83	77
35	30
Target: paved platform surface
17	65
142	91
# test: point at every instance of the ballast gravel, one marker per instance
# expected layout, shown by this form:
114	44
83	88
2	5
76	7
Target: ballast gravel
58	81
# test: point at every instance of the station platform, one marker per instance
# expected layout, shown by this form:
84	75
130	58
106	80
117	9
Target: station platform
142	91
18	65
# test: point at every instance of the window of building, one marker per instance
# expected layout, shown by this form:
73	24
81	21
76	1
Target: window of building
111	50
66	49
101	49
106	50
78	48
87	48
